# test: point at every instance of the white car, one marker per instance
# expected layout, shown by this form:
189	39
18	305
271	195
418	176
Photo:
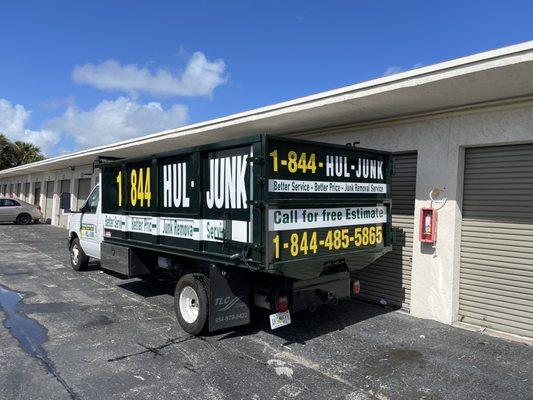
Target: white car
18	211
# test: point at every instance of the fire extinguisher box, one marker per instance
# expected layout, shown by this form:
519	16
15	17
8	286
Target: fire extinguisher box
428	225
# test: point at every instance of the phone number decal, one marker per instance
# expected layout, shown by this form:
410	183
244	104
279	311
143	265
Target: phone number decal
333	166
304	243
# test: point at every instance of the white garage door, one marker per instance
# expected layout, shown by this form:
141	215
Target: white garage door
389	278
496	276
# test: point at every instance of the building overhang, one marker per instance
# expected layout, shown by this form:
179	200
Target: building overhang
497	75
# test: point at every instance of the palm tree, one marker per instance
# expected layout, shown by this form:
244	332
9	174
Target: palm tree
13	154
28	153
7	149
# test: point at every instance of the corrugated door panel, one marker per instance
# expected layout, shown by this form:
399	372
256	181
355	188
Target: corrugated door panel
49	201
84	188
389	278
62	217
496	276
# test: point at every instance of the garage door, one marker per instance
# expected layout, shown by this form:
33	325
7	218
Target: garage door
49	201
496	276
64	187
26	195
37	193
389	278
84	188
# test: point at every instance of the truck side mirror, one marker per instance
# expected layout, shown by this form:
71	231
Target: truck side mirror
64	201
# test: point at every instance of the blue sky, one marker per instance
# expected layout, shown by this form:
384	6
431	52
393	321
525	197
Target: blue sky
78	74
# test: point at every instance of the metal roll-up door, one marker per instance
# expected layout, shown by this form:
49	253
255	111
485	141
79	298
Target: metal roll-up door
84	188
49	201
389	278
37	193
496	273
64	186
26	195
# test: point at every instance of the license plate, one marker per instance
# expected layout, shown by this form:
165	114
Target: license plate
280	319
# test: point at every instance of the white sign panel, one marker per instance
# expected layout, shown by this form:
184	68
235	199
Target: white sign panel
308	218
295	186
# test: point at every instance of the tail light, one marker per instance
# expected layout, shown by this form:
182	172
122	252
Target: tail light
39	208
356	287
281	304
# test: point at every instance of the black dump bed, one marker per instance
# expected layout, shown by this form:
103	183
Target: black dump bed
285	206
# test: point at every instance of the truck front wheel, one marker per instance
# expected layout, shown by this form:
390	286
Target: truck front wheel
191	302
78	258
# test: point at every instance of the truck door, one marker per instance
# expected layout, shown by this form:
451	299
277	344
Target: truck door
90	229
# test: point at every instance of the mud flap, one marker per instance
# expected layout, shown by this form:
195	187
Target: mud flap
229	303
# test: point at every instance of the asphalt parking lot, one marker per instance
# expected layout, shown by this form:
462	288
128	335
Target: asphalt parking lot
93	335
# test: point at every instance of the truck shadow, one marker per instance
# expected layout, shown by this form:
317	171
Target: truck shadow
306	326
148	287
94	266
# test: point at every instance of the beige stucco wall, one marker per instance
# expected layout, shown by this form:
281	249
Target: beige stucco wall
440	144
56	176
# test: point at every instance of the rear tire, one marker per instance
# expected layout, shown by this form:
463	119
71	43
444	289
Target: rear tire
191	303
78	259
23	219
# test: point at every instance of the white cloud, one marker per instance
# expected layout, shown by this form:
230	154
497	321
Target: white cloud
114	120
110	121
12	117
13	120
58	102
394	69
199	78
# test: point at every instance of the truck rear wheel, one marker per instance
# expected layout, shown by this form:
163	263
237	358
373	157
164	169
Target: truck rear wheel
78	258
191	303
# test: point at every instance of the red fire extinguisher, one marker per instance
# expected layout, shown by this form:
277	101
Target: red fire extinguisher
428	225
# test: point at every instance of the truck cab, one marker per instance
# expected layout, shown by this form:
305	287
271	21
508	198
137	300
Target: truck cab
85	230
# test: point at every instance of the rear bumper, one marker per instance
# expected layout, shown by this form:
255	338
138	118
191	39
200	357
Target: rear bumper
316	292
